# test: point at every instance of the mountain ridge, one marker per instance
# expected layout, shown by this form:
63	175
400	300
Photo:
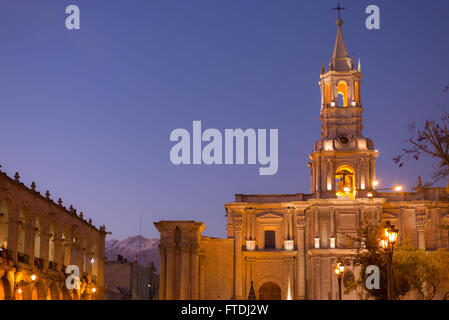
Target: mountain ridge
147	250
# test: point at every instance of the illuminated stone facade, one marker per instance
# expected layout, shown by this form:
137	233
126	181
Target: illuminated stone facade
287	245
39	237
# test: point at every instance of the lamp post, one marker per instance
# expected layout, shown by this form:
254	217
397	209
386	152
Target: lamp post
21	284
339	269
387	243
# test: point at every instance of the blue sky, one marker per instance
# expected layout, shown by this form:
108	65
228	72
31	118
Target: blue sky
87	114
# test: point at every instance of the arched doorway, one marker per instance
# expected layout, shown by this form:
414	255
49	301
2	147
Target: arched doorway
270	291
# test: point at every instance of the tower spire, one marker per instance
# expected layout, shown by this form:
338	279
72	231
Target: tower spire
340	59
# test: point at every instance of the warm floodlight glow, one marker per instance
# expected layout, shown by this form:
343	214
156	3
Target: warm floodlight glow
353	103
92	260
346	189
20	291
33	277
339	268
332	104
375	183
94	290
398	188
370	194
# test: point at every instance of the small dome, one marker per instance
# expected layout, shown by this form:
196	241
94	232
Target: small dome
339	22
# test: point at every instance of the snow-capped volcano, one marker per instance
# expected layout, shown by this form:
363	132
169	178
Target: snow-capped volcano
147	250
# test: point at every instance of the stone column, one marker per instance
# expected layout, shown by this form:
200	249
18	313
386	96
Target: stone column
253	225
367	173
30	234
45	239
185	272
194	294
238	264
170	275
100	266
79	257
58	252
89	257
421	229
68	253
300	230
333	175
312	185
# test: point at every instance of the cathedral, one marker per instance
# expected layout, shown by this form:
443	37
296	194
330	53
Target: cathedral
285	246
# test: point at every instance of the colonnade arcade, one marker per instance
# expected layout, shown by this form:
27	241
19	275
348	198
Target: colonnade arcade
34	242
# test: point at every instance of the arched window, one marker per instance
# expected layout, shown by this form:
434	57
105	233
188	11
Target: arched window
84	257
342	89
63	243
37	239
51	244
356	92
345	182
21	233
94	260
74	252
328	93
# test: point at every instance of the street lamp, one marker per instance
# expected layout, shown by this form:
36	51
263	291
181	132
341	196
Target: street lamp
339	269
387	243
21	284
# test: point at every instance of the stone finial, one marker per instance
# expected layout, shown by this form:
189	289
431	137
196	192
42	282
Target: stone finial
47	195
71	209
60	202
90	221
17	177
33	186
81	214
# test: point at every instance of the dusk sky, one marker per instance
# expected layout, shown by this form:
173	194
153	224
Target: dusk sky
88	114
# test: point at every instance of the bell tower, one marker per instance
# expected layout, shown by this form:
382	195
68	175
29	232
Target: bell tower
343	162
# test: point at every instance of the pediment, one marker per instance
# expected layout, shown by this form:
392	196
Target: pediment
389	215
270	215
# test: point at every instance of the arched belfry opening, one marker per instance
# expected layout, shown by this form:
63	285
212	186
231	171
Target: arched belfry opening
342	90
345	182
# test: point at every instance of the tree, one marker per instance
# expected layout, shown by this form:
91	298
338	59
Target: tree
368	253
431	140
426	272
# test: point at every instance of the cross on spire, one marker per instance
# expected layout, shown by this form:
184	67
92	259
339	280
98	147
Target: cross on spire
339	8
